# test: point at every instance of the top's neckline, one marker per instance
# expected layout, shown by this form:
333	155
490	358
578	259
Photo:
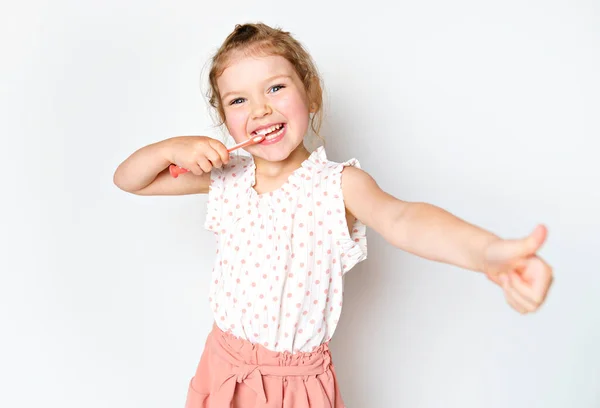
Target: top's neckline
317	158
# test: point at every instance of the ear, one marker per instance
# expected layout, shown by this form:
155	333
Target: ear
314	95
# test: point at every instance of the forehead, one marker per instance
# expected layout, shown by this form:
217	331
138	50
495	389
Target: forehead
248	71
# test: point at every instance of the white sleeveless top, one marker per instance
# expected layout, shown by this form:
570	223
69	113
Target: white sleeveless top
281	256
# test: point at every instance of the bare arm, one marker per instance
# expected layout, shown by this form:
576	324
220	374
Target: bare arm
433	233
418	228
146	171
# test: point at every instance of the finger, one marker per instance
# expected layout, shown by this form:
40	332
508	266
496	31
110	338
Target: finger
539	274
214	158
523	301
523	247
525	291
494	278
204	164
505	283
515	304
195	169
221	150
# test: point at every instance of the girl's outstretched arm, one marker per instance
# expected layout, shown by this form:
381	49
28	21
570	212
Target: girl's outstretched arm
433	233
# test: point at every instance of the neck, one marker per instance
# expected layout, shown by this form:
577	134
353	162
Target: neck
291	163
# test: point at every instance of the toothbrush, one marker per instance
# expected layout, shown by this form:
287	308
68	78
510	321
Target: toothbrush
176	170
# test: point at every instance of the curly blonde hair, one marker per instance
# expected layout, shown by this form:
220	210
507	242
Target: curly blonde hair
261	40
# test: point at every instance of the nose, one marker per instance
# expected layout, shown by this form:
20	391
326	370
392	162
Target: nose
261	109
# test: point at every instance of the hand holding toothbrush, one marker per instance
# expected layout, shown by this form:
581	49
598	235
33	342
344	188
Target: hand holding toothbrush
199	154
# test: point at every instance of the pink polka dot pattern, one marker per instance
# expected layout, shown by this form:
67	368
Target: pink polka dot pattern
278	274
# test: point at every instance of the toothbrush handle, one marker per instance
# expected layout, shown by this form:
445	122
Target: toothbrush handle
176	170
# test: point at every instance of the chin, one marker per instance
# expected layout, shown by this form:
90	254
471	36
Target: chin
274	155
277	152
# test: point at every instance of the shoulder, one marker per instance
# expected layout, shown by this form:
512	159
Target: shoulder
359	189
349	173
356	182
367	201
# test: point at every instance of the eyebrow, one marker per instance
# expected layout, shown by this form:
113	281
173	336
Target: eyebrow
266	80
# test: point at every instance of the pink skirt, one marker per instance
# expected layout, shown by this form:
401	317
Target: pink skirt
234	373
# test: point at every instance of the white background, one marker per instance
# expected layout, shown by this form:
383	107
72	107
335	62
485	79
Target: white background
487	109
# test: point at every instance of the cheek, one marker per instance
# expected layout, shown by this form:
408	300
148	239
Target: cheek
293	106
236	124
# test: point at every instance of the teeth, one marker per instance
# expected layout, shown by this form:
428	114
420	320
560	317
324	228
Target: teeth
275	134
269	130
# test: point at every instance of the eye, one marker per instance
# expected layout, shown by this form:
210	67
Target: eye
236	101
276	88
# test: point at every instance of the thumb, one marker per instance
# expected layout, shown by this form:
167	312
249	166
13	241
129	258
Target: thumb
523	247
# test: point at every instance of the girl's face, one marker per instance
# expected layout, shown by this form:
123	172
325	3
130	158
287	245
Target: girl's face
264	95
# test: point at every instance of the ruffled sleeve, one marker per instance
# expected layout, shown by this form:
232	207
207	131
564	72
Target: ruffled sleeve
352	243
355	247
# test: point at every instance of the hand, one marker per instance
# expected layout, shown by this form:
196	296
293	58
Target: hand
514	265
198	154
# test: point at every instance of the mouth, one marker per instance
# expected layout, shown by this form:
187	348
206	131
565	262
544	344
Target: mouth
270	132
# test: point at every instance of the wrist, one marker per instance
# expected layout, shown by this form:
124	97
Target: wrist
485	265
165	148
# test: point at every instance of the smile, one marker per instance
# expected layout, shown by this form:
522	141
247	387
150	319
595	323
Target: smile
271	132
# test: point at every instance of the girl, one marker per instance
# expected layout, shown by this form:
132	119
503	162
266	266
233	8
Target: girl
289	224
